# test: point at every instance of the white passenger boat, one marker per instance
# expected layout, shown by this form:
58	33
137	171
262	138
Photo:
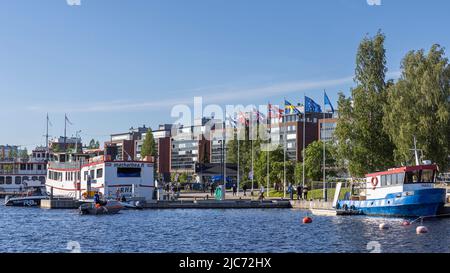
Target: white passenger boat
78	176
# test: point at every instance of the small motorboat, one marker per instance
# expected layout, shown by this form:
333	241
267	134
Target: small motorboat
109	207
24	201
30	198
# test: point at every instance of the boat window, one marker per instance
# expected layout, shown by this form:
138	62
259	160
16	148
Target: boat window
427	176
25	178
388	180
400	178
99	173
85	175
91	174
383	180
8	180
18	180
2	180
413	177
128	172
42	179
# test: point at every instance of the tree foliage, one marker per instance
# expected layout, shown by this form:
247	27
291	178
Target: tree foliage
363	143
314	160
149	145
418	105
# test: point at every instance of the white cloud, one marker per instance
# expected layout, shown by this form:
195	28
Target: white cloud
218	94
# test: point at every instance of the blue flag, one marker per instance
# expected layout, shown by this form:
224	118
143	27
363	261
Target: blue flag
290	109
311	106
327	101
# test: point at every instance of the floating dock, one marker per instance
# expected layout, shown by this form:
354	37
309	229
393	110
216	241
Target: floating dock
60	203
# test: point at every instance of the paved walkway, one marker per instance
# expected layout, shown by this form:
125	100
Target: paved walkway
191	195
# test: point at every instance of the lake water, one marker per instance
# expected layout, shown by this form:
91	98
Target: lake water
189	230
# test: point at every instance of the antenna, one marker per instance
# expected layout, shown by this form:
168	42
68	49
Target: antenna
46	134
416	155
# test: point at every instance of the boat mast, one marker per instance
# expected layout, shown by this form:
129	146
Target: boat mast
415	152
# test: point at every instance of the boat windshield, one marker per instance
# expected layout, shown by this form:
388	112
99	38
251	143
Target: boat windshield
419	176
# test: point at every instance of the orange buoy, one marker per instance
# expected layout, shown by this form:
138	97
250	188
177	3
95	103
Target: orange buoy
307	220
421	229
406	223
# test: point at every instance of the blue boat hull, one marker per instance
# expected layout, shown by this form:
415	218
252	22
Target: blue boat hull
417	203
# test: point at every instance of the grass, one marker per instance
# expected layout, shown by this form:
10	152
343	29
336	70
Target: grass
312	194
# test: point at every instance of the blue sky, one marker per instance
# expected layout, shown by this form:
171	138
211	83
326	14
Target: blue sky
113	64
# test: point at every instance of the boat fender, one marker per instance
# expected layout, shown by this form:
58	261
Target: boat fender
307	220
421	229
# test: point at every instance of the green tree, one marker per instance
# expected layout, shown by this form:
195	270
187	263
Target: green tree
149	145
314	160
91	144
418	105
23	154
363	144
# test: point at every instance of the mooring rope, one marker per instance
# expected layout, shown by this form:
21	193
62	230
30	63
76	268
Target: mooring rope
429	216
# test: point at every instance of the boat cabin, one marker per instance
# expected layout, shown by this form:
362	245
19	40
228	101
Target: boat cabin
396	180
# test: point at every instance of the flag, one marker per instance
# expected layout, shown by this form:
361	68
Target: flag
231	120
327	101
290	109
68	121
242	119
49	122
277	112
259	116
311	106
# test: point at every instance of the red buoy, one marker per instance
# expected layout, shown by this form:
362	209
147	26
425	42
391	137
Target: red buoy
406	223
307	220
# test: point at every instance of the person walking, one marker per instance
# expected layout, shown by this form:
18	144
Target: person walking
212	188
299	191
261	193
244	188
305	192
291	191
234	189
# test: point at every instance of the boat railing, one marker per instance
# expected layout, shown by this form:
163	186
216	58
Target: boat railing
65	165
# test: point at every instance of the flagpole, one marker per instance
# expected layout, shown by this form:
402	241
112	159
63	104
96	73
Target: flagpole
225	157
304	129
238	175
65	127
268	149
284	152
251	142
46	135
321	135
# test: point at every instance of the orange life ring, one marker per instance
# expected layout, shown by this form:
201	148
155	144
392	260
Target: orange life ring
374	182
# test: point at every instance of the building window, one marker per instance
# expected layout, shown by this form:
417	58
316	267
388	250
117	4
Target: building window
8	180
18	180
2	180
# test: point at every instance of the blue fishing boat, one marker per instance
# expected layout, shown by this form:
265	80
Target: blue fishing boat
407	191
